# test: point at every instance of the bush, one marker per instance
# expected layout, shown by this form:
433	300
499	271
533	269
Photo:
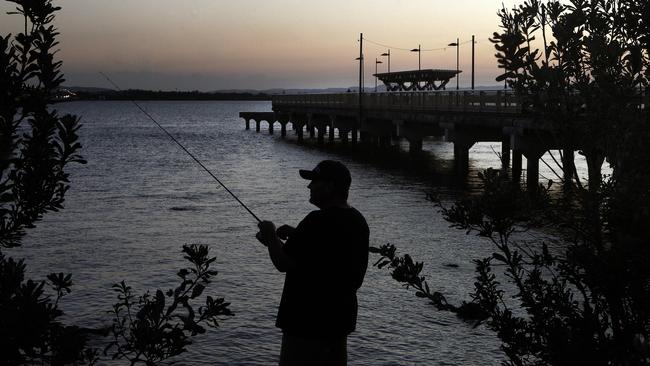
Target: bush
587	303
37	145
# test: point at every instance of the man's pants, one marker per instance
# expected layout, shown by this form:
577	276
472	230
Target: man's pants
299	351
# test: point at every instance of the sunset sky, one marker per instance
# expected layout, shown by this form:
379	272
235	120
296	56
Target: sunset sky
259	44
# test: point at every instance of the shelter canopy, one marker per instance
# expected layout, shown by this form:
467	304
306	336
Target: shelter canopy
412	80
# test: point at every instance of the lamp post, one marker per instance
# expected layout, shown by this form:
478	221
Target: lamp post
387	54
361	75
457	45
360	59
377	62
419	51
473	43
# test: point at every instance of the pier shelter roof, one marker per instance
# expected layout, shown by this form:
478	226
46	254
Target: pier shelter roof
414	80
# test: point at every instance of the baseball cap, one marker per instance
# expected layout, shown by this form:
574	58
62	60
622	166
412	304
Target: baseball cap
329	170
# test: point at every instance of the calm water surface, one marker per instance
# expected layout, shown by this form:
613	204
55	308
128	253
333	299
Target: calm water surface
140	198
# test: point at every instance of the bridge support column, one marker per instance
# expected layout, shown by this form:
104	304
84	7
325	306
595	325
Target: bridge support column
248	124
384	141
415	146
461	156
343	135
270	127
568	159
257	126
312	131
331	133
516	166
321	135
283	119
505	155
364	136
299	131
594	169
532	170
372	140
355	136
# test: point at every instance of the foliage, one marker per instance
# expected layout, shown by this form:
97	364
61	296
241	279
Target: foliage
36	146
31	330
147	331
502	201
153	330
406	271
587	79
586	305
586	301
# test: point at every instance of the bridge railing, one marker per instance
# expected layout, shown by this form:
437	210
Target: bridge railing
484	101
454	101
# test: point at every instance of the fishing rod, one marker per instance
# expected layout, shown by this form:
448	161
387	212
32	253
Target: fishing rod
184	149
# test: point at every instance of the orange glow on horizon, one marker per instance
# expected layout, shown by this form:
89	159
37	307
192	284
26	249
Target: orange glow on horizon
283	43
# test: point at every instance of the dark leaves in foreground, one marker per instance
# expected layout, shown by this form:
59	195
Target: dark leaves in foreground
29	320
586	304
36	144
36	147
404	270
155	327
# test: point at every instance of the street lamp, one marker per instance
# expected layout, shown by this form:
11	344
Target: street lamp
377	62
473	43
387	54
361	75
419	51
457	45
360	59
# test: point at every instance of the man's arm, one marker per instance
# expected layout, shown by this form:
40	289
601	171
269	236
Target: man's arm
268	236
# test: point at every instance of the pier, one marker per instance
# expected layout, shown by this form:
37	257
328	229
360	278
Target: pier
459	117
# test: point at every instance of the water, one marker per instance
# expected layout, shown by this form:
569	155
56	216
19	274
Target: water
140	198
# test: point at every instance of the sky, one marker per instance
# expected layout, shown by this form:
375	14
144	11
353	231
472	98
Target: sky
260	44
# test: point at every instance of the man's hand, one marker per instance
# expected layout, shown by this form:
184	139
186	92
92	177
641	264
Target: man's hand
285	231
266	233
268	236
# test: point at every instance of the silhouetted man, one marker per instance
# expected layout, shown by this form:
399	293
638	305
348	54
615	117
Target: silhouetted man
325	259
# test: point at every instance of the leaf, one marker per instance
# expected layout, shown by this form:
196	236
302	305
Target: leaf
160	298
197	291
182	273
499	257
383	264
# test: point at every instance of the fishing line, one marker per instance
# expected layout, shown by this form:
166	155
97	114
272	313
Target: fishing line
184	149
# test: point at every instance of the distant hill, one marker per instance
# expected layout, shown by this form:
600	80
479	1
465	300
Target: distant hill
86	89
276	91
95	93
86	93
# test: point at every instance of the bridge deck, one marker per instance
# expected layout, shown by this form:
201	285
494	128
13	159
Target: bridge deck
465	101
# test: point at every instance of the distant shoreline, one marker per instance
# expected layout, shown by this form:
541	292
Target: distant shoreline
65	95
